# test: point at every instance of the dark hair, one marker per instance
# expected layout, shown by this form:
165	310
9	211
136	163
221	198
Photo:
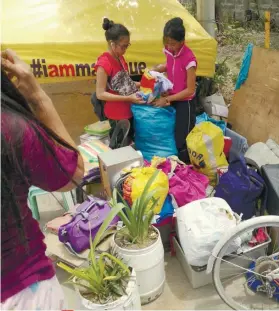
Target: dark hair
16	109
114	31
175	29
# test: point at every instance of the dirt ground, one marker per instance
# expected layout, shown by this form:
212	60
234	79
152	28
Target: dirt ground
234	52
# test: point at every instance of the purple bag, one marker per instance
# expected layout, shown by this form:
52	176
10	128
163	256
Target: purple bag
89	217
241	187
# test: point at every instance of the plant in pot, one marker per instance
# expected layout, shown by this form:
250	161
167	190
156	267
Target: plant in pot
139	243
105	282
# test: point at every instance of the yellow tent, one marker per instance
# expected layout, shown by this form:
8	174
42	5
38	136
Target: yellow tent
61	39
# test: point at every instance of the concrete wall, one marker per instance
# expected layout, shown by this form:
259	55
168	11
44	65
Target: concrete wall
235	8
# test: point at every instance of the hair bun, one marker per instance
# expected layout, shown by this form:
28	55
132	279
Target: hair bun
107	24
178	21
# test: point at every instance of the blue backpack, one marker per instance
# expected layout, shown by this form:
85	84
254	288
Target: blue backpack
242	187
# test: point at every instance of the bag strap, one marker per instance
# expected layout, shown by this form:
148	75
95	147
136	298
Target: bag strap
72	252
121	65
239	162
264	201
259	180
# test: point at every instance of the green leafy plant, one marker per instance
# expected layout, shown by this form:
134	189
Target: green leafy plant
138	218
106	277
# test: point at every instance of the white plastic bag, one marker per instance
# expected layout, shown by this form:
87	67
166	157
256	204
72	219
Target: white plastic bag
201	224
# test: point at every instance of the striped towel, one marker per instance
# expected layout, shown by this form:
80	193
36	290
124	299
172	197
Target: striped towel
89	152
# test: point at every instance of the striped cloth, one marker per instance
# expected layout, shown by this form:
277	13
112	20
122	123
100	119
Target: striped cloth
89	152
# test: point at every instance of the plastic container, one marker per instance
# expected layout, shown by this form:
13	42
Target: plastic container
149	265
100	128
198	277
131	301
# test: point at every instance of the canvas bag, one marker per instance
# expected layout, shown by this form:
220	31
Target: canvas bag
89	216
122	83
241	187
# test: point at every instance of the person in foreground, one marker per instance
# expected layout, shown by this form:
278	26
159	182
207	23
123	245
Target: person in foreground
36	150
180	67
114	86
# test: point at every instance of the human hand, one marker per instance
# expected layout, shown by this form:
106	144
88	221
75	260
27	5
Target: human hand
161	102
20	74
136	99
165	94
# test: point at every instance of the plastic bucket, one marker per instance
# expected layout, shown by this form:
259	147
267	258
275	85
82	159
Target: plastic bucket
131	301
149	266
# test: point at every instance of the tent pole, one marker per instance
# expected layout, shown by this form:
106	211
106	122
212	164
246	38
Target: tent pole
206	15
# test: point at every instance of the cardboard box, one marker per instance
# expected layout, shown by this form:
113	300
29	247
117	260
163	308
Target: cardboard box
113	162
198	277
215	105
58	252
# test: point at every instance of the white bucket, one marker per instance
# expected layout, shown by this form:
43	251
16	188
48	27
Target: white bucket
131	301
149	266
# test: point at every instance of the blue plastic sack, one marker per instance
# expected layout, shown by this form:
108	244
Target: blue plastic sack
205	118
154	131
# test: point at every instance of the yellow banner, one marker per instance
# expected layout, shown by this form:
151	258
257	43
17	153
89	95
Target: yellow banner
61	40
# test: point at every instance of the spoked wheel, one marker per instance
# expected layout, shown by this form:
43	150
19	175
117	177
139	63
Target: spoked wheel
249	279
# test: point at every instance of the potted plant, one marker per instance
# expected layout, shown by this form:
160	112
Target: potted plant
139	243
105	282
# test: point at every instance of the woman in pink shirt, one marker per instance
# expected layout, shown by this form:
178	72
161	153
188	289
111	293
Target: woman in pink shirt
180	67
37	150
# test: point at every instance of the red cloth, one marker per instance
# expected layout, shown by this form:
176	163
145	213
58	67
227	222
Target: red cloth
227	146
23	266
114	110
148	83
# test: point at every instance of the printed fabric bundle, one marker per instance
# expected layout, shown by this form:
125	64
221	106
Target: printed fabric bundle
152	85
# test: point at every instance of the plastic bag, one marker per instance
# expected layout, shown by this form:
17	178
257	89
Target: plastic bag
136	181
154	131
205	146
201	224
205	117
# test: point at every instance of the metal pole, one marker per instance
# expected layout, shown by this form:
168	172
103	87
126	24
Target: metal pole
267	30
206	15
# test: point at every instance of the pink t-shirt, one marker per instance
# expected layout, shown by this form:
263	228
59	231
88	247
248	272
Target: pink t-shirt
177	66
21	266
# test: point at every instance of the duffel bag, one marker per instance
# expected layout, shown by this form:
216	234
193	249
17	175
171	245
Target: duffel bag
88	218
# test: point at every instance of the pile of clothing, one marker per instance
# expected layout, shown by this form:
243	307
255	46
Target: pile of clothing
177	184
152	85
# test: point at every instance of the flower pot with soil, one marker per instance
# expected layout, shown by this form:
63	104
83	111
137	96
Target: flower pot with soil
139	243
105	282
